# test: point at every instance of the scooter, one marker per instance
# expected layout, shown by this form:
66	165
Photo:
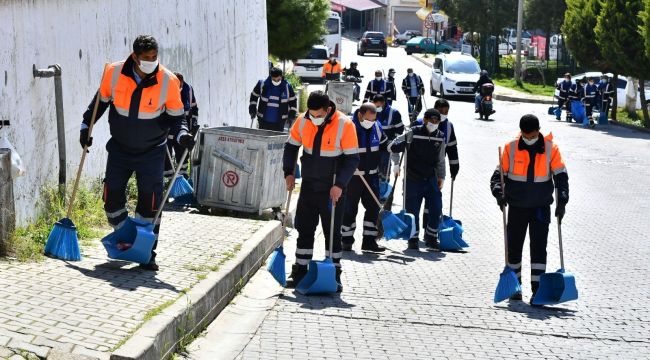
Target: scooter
486	108
357	87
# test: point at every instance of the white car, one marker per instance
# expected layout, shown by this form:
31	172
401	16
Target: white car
454	74
311	67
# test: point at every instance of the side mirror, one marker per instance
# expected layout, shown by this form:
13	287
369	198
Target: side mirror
437	71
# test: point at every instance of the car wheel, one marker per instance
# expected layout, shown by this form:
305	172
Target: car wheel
384	54
408	53
446	51
442	92
358	52
433	92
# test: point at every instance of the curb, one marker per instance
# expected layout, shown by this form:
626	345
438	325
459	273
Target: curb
631	127
159	337
502	97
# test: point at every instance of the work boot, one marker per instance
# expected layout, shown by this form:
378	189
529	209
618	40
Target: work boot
516	297
151	266
371	245
475	111
346	246
414	244
432	244
339	287
298	272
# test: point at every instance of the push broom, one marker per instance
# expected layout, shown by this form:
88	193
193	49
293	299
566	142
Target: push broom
63	242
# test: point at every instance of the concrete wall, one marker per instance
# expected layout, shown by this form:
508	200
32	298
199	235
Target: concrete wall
220	47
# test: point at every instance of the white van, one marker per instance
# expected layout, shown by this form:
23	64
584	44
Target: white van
454	74
311	67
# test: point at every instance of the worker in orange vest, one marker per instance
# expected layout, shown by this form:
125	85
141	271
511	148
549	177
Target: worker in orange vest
532	166
330	158
331	69
145	106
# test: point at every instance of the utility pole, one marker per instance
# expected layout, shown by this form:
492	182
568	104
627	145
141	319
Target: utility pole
520	20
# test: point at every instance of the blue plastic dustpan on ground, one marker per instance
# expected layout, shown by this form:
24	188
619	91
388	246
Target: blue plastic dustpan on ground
392	225
139	233
457	230
409	220
447	241
320	278
508	285
384	189
276	266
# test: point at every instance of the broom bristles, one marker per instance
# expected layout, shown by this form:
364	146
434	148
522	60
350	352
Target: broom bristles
181	187
508	285
63	243
392	225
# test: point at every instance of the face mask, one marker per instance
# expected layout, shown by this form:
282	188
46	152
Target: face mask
530	142
379	109
443	117
318	121
378	78
602	81
367	124
432	127
276	83
148	67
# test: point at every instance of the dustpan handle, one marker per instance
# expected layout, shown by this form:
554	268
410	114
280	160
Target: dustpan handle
503	211
451	198
405	170
331	248
363	179
559	236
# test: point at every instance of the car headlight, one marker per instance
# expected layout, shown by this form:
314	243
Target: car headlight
450	82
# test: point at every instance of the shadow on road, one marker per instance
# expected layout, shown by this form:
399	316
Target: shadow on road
125	279
317	302
538	313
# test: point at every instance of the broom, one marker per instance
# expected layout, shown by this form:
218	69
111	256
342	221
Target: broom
508	283
63	242
181	186
391	224
276	264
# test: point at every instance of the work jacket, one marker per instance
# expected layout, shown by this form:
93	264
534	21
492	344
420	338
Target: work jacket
286	102
406	85
564	87
451	144
425	153
391	121
371	143
331	71
378	87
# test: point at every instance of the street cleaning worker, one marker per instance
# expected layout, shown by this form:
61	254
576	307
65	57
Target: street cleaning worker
378	86
330	158
192	119
392	125
372	141
331	69
590	92
413	88
145	106
576	93
390	80
425	174
606	90
483	79
532	165
273	102
564	89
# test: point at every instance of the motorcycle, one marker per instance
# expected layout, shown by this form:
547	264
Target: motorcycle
357	88
486	108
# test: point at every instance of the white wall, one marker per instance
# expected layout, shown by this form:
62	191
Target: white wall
220	47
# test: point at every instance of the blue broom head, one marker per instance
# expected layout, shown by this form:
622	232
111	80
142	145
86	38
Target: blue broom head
276	266
385	189
508	285
181	187
63	242
393	226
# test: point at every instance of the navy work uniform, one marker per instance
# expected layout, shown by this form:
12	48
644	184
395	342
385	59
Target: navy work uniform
590	92
392	125
564	88
413	88
192	118
606	91
378	87
273	105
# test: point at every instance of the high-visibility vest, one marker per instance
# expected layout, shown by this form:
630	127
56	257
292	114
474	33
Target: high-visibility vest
328	68
515	162
339	136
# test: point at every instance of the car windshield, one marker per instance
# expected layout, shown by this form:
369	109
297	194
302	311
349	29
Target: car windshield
464	66
333	26
374	35
317	54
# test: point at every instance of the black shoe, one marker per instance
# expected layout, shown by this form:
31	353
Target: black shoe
346	247
516	297
339	286
493	111
432	244
372	246
475	111
298	272
414	244
151	266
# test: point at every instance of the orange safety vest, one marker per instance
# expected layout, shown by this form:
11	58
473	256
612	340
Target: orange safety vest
328	68
339	136
515	162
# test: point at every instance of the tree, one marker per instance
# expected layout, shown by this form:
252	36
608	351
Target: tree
617	35
294	26
547	15
644	28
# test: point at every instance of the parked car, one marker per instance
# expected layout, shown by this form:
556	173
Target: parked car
401	39
372	42
426	45
621	86
454	74
311	66
505	48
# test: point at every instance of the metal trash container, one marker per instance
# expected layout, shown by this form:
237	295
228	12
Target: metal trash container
341	93
239	169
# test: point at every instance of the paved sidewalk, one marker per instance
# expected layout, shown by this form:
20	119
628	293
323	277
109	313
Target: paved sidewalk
500	92
91	307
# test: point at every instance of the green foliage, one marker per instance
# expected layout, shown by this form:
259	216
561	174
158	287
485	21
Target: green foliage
293	80
294	26
487	17
547	15
580	20
644	28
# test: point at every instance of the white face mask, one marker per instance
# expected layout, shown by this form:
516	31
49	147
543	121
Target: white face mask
367	124
276	83
318	121
378	78
432	127
148	67
379	109
443	117
530	142
410	74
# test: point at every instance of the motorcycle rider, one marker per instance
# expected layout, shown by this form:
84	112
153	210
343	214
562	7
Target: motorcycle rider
354	72
483	79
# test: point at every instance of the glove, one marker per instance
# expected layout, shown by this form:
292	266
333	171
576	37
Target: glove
501	201
422	91
453	169
83	138
186	141
396	170
560	210
195	129
252	111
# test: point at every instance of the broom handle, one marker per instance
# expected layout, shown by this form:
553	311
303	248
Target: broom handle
451	199
363	179
559	236
331	248
286	215
93	118
169	156
404	187
503	211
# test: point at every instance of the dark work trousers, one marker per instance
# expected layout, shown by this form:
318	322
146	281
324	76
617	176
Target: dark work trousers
176	151
148	168
589	107
427	190
536	221
564	102
414	107
313	205
278	126
358	191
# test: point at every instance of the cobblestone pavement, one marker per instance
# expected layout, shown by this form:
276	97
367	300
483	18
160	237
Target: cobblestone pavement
89	307
423	305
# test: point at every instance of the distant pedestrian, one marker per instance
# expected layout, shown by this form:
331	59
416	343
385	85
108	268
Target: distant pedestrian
331	69
606	90
273	102
590	91
413	88
532	166
564	88
354	72
576	93
391	86
483	79
378	86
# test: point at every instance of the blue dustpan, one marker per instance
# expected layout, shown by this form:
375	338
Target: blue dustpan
392	225
133	231
508	285
385	189
447	241
409	220
457	228
555	288
552	110
320	278
277	267
602	118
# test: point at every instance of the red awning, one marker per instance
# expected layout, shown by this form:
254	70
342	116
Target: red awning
359	5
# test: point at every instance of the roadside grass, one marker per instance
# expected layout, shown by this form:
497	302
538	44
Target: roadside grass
528	88
633	119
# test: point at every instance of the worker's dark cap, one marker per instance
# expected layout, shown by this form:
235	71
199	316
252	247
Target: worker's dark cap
391	71
432	113
276	72
528	123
